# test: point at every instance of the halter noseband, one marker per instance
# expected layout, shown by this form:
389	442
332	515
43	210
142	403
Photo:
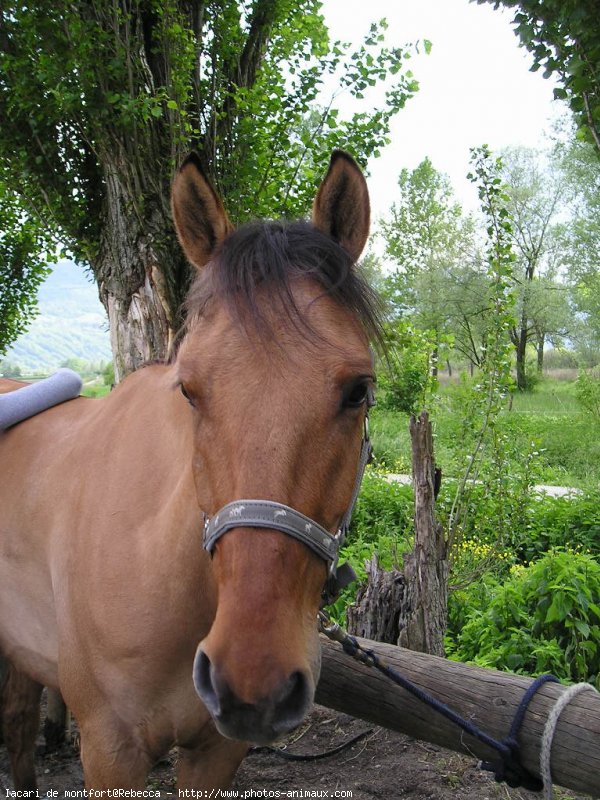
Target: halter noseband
277	516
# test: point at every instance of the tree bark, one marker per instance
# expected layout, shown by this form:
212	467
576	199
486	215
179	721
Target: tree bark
486	697
434	361
140	269
540	353
521	350
376	611
410	607
425	607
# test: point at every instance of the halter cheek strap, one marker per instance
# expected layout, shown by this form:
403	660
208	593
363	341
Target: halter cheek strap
277	516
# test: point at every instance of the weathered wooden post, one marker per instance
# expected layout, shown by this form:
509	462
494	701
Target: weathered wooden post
409	608
422	623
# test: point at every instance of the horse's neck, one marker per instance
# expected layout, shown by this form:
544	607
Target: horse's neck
149	425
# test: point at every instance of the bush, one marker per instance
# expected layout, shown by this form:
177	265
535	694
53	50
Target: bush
406	377
383	509
108	374
552	522
544	618
587	391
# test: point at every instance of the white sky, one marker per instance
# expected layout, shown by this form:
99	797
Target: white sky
475	87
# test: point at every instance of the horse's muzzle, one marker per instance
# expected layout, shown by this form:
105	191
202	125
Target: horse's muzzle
282	710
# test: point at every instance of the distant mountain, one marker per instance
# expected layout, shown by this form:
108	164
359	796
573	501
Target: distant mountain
72	323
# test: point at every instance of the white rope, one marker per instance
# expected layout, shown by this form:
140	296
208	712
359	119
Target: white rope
549	730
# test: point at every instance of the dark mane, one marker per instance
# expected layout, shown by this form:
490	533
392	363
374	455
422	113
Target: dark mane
273	255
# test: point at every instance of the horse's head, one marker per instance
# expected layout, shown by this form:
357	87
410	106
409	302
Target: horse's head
277	368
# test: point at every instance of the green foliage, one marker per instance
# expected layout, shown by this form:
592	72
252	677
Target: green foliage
536	193
100	102
552	522
485	448
421	237
23	266
426	237
405	379
546	421
84	369
564	38
92	91
580	245
587	391
544	618
108	375
383	510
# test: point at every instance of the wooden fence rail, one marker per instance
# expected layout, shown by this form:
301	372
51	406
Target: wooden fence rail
487	698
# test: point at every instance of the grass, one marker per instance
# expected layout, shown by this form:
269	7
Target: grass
96	388
547	421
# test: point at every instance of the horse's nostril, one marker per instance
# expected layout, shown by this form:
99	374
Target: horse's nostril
261	721
294	703
203	682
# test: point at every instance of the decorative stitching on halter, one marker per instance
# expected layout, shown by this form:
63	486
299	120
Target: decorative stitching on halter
274	516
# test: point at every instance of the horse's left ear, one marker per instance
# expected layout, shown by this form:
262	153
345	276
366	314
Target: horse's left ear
341	208
200	219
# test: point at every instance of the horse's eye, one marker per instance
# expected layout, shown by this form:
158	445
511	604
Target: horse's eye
357	395
184	392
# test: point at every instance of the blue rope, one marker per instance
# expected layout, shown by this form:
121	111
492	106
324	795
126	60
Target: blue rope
509	769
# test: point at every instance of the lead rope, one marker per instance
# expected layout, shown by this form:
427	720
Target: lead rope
510	768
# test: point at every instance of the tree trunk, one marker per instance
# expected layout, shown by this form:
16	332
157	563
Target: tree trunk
487	698
141	272
434	361
410	607
449	367
521	350
376	612
423	624
540	354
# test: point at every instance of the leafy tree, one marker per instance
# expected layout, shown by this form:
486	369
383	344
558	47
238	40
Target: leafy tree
551	315
536	194
9	369
406	376
100	102
426	237
580	240
23	266
486	456
564	38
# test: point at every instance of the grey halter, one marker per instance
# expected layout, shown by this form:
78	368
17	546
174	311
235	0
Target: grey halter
277	516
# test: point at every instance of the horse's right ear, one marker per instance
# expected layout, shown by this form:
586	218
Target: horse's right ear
200	219
341	208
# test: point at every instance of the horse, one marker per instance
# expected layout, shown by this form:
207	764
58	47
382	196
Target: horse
106	590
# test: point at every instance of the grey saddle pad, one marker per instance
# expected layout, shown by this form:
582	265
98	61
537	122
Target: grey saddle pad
35	397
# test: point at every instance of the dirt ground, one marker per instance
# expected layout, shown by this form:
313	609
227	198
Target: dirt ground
381	764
